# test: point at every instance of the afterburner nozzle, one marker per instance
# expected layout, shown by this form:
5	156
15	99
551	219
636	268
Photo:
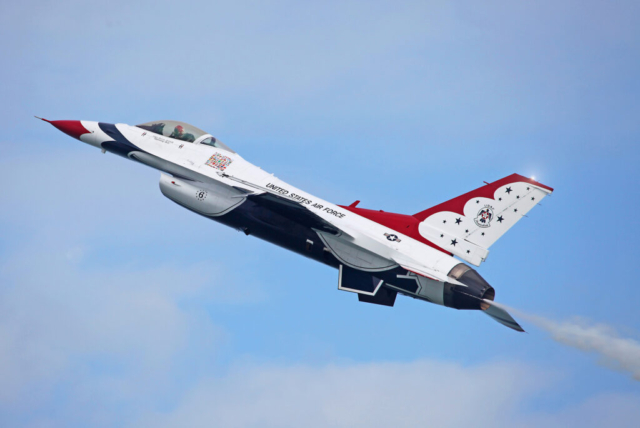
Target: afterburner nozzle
473	292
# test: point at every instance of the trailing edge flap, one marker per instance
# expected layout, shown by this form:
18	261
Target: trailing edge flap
293	211
358	281
501	316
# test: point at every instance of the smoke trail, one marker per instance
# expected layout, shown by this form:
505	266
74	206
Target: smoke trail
616	352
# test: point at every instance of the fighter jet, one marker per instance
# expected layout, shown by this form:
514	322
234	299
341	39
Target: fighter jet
377	254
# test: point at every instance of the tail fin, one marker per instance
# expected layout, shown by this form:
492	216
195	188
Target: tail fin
469	224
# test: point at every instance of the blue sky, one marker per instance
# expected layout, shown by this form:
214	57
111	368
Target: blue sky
119	308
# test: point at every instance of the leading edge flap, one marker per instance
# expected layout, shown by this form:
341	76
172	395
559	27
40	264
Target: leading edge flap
293	211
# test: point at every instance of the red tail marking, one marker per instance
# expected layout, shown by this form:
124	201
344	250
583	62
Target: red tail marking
456	205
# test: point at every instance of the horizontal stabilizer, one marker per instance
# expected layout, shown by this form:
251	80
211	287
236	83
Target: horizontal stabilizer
501	315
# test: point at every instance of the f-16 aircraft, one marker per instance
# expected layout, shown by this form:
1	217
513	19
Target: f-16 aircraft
378	254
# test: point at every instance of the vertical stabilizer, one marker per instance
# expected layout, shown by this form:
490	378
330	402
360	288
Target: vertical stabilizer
469	224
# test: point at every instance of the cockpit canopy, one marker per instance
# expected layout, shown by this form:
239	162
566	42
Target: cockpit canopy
183	131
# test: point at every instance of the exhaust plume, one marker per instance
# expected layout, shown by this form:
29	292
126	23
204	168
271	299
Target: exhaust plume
614	351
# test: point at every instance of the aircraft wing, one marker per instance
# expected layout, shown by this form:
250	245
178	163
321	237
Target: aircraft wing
293	211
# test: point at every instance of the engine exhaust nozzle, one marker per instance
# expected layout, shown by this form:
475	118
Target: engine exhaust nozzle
471	294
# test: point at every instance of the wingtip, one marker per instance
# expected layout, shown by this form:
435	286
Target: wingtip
532	180
42	118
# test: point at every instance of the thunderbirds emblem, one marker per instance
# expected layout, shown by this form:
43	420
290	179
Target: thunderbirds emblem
484	217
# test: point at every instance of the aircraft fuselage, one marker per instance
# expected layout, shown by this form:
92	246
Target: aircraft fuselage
377	254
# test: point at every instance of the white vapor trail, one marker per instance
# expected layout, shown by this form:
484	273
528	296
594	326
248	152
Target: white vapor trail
616	352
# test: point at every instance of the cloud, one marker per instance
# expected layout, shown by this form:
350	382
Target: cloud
600	410
86	322
370	394
378	394
56	316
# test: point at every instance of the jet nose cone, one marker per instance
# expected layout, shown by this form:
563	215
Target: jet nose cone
73	128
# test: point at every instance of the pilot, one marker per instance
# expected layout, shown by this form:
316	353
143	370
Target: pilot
179	134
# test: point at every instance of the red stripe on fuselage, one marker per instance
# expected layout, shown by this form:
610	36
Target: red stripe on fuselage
405	224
